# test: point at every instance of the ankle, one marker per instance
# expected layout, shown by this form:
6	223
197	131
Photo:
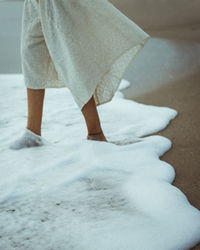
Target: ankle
96	132
36	131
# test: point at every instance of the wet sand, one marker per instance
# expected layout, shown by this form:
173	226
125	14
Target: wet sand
183	131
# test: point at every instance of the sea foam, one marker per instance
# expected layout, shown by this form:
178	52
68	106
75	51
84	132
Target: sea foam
74	193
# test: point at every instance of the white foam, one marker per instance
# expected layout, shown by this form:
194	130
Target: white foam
28	139
73	193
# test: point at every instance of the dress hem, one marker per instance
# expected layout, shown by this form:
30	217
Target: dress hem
118	78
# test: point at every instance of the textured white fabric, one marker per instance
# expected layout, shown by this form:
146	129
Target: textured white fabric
84	45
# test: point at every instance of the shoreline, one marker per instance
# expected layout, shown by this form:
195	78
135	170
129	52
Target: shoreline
183	132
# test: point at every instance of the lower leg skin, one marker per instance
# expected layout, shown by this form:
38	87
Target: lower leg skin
91	116
35	99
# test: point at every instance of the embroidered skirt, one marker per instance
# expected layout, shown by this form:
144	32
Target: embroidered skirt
84	45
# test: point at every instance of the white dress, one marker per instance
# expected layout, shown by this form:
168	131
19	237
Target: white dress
84	45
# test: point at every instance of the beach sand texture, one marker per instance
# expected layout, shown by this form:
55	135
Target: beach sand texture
177	85
166	73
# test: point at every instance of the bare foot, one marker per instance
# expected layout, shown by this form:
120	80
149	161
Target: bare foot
28	139
97	137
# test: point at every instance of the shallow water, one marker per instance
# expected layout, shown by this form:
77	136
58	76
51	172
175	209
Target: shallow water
73	193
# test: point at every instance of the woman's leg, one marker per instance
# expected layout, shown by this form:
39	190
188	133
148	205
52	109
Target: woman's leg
32	134
35	98
92	121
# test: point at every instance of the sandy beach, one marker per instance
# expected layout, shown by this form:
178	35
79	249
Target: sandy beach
38	187
183	132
